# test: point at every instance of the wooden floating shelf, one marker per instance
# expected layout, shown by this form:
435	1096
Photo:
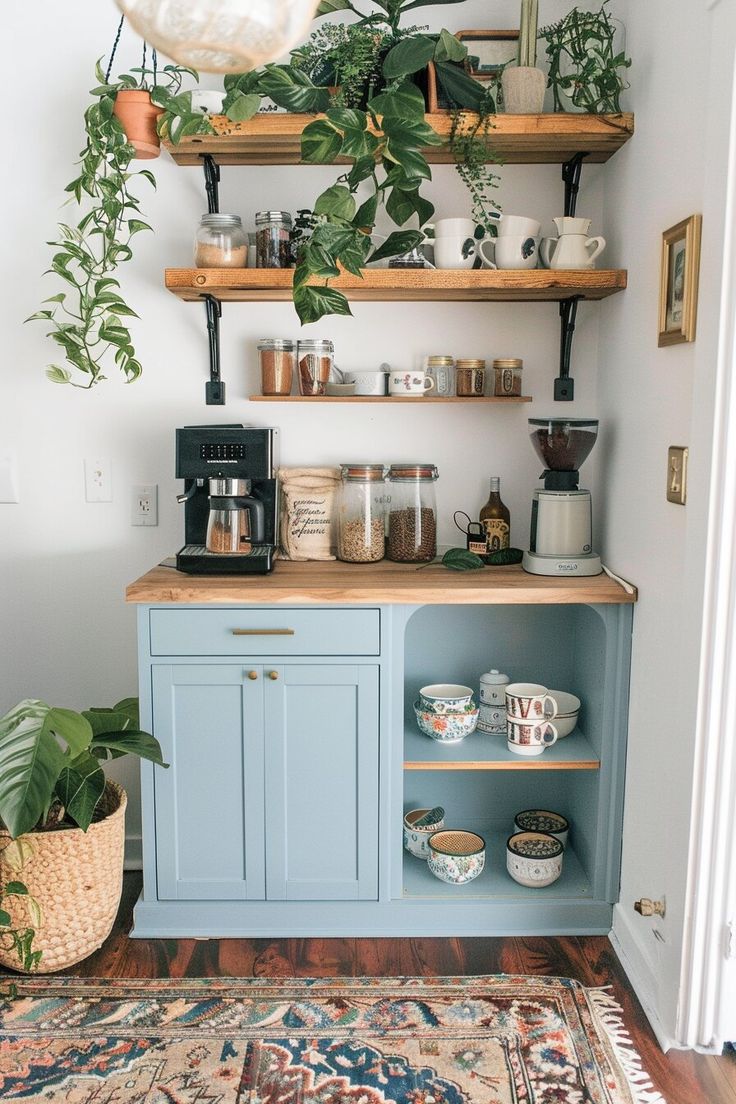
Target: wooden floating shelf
275	139
395	399
481	752
247	285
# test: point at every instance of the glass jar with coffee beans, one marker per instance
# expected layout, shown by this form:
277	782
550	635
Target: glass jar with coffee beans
361	515
273	239
412	515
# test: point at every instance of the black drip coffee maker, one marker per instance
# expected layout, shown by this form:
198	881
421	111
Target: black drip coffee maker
230	499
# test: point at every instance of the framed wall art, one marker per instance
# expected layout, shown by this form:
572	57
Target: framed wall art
678	288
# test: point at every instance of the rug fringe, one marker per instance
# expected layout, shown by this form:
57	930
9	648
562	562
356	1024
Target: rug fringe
609	1014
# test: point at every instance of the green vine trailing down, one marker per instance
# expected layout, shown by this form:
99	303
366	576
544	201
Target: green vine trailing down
582	62
19	940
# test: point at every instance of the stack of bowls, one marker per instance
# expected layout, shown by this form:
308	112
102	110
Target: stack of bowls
568	707
446	712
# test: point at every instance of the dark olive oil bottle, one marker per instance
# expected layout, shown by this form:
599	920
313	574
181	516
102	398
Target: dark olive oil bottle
496	519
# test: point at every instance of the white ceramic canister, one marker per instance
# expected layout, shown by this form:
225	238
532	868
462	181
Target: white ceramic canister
492	717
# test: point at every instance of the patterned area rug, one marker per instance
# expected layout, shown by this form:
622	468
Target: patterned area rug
480	1040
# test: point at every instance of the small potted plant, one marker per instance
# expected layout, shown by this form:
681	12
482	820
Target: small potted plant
523	84
62	829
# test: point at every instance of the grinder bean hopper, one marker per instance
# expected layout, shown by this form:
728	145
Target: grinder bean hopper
561	529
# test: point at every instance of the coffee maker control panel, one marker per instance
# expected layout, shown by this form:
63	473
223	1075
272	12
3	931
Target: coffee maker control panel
227	454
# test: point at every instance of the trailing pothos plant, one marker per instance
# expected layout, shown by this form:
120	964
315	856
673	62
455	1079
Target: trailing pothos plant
87	318
19	939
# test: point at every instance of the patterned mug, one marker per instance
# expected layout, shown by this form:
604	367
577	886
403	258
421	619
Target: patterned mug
528	701
524	738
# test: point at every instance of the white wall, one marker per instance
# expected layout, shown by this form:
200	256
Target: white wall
67	635
650	398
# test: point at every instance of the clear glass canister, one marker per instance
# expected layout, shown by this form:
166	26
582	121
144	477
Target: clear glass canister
442	370
273	239
470	378
277	359
362	513
412	516
315	361
507	376
221	242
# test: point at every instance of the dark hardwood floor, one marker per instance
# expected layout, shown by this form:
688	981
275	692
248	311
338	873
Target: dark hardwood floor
683	1077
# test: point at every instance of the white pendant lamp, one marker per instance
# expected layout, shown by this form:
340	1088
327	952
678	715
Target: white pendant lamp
220	36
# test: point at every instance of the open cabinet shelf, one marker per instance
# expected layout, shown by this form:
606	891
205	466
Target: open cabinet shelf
483	752
275	139
426	399
240	285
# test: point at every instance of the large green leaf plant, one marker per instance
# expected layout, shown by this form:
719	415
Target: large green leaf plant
51	760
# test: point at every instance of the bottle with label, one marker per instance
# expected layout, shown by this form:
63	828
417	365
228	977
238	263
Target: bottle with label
496	519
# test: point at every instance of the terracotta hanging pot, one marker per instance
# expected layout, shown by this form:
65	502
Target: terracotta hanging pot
138	117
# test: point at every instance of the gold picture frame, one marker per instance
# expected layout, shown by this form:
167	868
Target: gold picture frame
678	287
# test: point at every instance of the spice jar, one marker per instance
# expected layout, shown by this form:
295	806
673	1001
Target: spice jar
507	376
470	378
276	358
492	717
441	370
273	239
361	513
221	242
315	361
412	517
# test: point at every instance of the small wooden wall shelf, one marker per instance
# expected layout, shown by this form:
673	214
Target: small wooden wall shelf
275	139
396	284
426	399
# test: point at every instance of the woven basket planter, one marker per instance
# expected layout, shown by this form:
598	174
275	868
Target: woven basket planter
77	878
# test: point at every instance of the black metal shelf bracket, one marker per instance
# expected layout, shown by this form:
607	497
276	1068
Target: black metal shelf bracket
564	384
214	388
571	171
212	183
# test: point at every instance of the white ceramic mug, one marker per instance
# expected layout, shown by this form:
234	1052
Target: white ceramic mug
528	701
517	226
368	382
524	738
516	252
453	228
456	252
409	383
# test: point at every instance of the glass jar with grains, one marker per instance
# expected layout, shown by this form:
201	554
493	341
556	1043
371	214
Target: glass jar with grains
361	513
507	376
412	516
277	360
273	239
221	242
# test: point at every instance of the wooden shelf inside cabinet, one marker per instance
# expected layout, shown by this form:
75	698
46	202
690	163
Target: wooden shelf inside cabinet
244	285
275	139
479	751
395	399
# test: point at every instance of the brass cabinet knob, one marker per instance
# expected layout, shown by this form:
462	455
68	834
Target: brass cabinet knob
273	675
647	907
253	675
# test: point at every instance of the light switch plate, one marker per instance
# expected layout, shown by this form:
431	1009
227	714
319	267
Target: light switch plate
677	474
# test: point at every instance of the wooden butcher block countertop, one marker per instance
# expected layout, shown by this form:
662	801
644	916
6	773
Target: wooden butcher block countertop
383	583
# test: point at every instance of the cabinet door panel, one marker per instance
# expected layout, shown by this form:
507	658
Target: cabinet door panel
209	803
322	782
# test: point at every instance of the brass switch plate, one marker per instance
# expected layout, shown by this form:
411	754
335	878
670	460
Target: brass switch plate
677	474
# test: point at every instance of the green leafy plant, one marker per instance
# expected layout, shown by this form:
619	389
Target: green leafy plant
20	940
474	156
347	57
51	761
583	63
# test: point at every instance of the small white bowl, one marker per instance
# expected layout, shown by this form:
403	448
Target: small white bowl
568	708
456	856
338	390
416	840
445	697
367	381
543	820
534	859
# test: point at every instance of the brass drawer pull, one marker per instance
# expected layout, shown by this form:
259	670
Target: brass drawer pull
273	675
263	632
252	675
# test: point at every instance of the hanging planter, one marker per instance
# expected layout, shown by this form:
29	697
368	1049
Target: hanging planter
138	117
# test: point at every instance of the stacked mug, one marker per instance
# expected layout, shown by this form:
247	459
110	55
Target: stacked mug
529	712
517	244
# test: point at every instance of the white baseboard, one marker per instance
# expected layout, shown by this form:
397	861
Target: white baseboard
133	853
640	973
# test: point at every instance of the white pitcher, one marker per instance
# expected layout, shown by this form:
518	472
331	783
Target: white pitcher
573	248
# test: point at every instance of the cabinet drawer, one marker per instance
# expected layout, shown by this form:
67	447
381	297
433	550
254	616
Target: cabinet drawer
265	631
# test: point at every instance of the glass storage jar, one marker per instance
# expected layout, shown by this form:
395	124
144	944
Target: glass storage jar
273	239
507	376
470	378
315	361
412	515
221	242
442	370
361	513
277	359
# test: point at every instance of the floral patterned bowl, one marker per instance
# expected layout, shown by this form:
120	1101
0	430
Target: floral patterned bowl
446	728
416	840
456	856
446	697
533	859
542	820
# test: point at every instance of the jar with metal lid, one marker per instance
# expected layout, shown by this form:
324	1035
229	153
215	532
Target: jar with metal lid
276	357
442	370
315	361
412	515
273	239
470	378
361	514
221	242
492	716
507	376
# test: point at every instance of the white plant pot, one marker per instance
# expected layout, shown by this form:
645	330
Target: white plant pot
523	90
